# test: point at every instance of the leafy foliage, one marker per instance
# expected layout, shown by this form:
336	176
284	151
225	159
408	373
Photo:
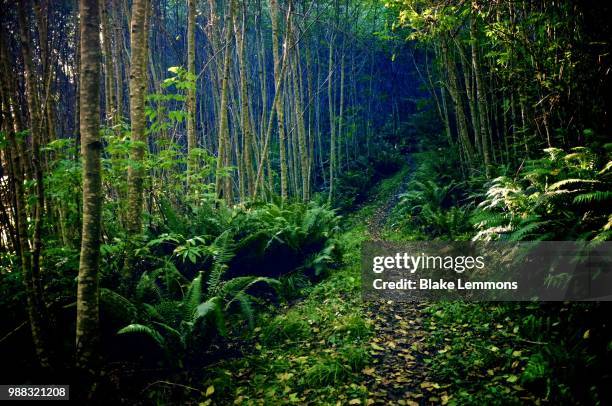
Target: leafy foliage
563	196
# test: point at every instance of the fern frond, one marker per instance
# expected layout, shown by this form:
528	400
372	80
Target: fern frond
211	311
118	306
172	332
593	197
145	330
526	230
564	182
193	297
246	308
605	168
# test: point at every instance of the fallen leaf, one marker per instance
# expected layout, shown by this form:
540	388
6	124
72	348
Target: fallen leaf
368	371
377	347
512	379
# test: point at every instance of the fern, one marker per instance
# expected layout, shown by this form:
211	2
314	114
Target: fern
223	251
565	182
246	308
193	297
211	311
145	330
527	229
146	285
593	197
180	338
118	307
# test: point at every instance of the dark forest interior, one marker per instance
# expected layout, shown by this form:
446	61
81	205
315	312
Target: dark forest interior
185	187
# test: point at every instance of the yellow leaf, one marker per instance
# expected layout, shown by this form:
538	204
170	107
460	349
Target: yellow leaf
210	390
284	376
368	371
377	347
586	334
354	402
512	378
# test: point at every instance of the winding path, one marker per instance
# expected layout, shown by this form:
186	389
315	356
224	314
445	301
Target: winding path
398	373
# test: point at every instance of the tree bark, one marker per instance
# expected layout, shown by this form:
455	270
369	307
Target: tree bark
224	180
484	127
32	278
279	100
247	131
87	324
137	114
191	92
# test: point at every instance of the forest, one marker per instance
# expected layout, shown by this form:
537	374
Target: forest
186	187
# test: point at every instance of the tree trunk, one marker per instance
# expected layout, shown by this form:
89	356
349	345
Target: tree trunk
485	129
32	278
332	120
224	180
109	68
191	92
453	87
137	114
279	100
247	131
87	323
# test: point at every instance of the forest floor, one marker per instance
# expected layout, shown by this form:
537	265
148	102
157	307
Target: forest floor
332	348
398	373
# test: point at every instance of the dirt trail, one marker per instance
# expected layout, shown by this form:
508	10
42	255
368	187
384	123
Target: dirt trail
377	222
398	374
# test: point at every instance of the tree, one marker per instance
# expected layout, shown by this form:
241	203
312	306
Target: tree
192	141
138	84
279	100
87	323
223	180
31	261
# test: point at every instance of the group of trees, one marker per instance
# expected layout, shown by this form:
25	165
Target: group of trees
192	103
510	78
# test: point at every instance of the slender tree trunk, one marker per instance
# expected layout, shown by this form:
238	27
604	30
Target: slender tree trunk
118	46
87	324
340	132
224	180
332	120
109	66
458	103
247	131
191	92
299	112
279	100
266	141
485	129
138	85
36	307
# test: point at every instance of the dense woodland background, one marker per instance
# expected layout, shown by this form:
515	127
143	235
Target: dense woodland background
184	187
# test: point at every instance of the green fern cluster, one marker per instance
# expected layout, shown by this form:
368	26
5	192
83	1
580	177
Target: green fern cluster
562	196
433	208
194	287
